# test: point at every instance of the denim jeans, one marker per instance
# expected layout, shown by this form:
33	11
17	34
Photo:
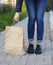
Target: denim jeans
36	9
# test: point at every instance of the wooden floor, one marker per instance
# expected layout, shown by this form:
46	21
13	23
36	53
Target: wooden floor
46	58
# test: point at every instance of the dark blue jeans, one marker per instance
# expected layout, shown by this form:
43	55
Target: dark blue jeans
36	9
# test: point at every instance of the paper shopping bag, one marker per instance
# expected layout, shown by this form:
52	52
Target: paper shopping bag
14	40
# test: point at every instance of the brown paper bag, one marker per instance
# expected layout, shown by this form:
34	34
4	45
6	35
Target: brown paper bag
14	40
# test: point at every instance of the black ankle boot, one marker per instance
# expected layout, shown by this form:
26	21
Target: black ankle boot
30	49
38	49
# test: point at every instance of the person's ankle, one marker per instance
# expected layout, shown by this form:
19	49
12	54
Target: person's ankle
39	43
31	41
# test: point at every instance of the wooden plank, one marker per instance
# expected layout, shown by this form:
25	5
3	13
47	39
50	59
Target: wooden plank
47	60
1	49
46	26
1	33
7	60
52	61
2	37
2	42
31	60
23	60
52	54
51	24
52	49
43	46
2	46
48	48
46	32
39	59
43	59
51	20
19	60
2	57
14	60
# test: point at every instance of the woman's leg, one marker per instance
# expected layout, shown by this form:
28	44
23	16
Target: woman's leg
41	6
40	19
32	16
31	24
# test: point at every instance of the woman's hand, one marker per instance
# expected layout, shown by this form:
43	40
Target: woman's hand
16	17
